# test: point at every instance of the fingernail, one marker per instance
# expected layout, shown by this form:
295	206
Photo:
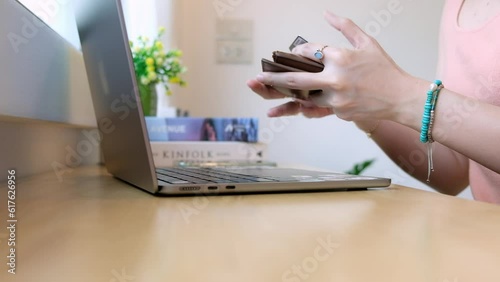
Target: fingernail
260	78
271	113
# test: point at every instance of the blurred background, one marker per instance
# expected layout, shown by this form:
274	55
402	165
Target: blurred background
224	40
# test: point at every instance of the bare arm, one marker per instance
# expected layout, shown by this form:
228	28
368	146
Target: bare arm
465	125
402	145
399	142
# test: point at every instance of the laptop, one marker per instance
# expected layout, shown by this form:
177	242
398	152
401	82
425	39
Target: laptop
125	143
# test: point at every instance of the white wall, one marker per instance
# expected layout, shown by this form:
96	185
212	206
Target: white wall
140	20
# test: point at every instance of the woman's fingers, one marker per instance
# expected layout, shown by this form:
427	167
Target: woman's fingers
292	80
316	112
352	32
267	92
322	100
288	109
310	109
307	108
309	50
299	106
356	36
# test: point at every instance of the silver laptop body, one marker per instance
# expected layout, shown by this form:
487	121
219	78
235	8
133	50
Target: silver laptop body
125	143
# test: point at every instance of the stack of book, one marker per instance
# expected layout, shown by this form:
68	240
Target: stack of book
186	139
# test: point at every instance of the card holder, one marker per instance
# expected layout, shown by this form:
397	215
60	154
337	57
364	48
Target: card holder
297	62
288	62
270	66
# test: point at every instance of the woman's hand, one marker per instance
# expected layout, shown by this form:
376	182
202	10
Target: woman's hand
362	83
307	108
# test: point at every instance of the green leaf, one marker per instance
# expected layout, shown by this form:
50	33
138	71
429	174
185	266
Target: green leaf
358	168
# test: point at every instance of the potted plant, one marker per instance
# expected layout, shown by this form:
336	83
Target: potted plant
153	65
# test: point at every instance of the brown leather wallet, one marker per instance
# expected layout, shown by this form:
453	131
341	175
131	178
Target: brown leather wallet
296	61
288	62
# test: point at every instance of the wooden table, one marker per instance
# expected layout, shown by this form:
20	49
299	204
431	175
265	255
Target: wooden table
92	227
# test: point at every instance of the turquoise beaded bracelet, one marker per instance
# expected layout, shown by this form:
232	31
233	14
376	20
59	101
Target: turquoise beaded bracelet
430	106
428	121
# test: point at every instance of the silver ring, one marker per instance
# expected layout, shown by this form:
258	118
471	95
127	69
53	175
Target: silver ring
319	53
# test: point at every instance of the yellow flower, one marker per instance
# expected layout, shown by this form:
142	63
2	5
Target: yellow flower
150	61
174	79
152	76
169	92
161	29
150	68
159	45
177	53
159	61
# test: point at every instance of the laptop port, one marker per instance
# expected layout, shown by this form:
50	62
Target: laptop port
213	187
190	188
230	187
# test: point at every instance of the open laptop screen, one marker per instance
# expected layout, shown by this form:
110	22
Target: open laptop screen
113	85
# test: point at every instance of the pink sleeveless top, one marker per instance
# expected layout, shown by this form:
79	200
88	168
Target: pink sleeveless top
470	65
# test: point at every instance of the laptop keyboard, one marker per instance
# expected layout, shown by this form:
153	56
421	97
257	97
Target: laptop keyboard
206	175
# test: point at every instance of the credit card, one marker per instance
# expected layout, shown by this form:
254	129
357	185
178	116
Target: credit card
299	40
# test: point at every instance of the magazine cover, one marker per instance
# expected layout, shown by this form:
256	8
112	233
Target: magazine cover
202	129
